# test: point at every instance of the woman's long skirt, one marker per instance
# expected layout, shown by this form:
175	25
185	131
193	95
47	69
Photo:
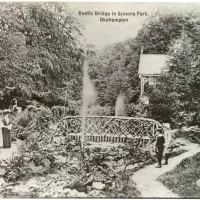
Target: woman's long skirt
1	138
6	137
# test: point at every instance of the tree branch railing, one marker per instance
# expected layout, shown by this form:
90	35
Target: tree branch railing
113	129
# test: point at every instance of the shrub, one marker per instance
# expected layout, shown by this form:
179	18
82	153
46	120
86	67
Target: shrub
32	120
15	169
101	111
62	111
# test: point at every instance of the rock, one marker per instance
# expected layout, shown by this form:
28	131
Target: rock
61	183
113	185
73	168
20	189
53	176
90	180
56	140
198	183
89	189
185	129
129	167
32	183
109	182
66	191
82	195
26	158
3	164
2	182
45	195
53	127
75	161
98	185
2	172
47	183
42	179
95	194
36	169
47	163
60	159
73	193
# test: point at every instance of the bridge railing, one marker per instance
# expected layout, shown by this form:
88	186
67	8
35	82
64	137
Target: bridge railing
113	129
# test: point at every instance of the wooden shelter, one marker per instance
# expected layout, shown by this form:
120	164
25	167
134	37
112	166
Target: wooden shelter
150	66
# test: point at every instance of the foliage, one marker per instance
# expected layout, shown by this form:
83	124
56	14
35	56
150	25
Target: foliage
100	111
138	110
114	72
33	120
62	111
108	165
177	89
160	30
41	59
14	169
40	51
182	179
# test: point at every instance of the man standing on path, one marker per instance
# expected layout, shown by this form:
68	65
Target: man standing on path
159	146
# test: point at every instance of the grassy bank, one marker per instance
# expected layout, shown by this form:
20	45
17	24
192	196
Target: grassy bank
182	180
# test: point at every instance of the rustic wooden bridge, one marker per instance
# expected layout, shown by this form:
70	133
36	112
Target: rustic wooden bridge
112	129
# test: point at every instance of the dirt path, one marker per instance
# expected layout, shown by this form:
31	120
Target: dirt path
7	153
146	178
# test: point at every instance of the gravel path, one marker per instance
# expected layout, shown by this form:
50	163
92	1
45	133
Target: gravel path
146	178
7	153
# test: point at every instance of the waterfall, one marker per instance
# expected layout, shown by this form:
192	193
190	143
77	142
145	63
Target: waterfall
120	106
88	96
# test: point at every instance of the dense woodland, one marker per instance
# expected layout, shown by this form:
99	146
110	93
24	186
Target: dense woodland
175	98
42	62
41	55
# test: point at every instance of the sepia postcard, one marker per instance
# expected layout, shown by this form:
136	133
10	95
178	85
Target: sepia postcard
99	100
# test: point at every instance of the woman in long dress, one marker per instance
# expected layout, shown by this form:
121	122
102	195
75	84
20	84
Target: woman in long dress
1	126
6	130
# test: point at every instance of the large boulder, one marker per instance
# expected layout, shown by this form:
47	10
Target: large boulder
98	185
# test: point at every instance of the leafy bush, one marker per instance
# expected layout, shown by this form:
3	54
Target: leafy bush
15	169
101	111
109	166
62	111
138	110
24	118
32	120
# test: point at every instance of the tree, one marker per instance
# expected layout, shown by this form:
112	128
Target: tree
177	89
41	50
159	31
114	72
